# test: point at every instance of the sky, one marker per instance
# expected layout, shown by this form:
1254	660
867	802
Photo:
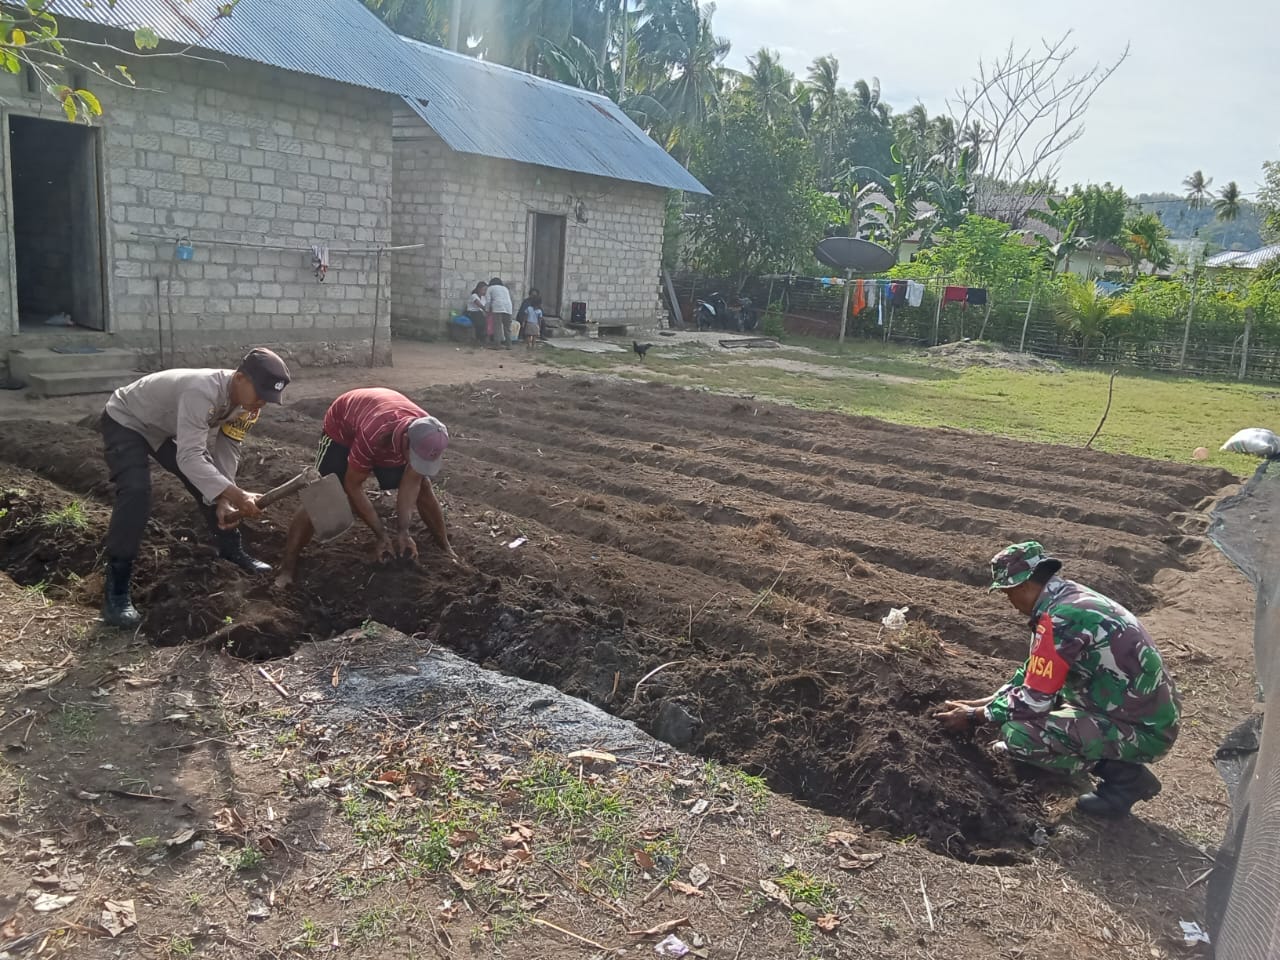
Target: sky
1197	91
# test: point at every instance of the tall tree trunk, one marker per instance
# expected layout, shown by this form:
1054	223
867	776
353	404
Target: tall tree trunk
455	26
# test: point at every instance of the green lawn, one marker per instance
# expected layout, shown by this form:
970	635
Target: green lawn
1152	416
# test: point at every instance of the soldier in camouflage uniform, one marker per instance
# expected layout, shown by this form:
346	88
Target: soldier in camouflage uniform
1093	694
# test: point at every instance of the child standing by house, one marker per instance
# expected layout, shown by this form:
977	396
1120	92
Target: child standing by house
532	320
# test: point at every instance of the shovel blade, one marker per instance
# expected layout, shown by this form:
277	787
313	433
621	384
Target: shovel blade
327	505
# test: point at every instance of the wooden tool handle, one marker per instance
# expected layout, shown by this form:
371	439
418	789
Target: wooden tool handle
305	478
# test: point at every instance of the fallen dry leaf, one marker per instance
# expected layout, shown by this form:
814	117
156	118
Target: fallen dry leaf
463	883
461	838
842	838
10	929
828	922
181	837
597	755
662	929
49	681
117	917
858	861
700	807
688	889
643	860
389	776
699	874
774	892
137	682
476	862
48	902
228	821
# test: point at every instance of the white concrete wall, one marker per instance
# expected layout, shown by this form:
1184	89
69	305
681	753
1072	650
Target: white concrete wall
247	154
472	213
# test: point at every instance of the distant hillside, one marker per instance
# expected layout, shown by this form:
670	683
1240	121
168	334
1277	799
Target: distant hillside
1185	223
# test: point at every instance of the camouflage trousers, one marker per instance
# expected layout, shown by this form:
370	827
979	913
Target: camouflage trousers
1072	740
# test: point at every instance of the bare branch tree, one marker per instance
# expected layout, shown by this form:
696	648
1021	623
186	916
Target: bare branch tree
1031	104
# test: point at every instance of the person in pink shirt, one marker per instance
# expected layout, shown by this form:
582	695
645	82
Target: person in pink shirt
374	431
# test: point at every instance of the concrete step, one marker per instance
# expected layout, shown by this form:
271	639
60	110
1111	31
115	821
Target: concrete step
24	363
70	384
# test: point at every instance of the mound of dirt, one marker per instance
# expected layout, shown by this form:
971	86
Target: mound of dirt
979	353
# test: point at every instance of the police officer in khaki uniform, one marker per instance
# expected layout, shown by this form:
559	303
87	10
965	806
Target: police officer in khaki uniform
169	417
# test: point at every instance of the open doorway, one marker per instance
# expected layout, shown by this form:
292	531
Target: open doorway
546	268
57	224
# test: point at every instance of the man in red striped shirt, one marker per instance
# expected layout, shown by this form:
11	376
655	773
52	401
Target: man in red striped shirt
378	432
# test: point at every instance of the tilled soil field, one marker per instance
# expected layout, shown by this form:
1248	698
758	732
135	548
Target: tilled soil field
713	568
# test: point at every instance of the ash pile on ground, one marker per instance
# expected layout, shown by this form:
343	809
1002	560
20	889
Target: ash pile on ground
978	353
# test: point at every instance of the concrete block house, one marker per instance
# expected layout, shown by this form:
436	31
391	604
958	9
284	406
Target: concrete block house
542	184
179	228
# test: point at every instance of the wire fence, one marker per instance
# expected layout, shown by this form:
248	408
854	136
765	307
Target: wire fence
1018	319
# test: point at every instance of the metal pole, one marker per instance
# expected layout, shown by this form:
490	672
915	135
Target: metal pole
888	332
844	310
1191	309
1022	344
1244	350
377	309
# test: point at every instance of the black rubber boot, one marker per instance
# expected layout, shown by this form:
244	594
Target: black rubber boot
231	547
117	608
1121	785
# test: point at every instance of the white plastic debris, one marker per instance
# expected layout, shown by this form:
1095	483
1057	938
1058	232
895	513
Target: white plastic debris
896	619
673	946
517	542
1254	440
1192	933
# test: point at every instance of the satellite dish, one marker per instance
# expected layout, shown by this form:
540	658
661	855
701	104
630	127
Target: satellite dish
850	253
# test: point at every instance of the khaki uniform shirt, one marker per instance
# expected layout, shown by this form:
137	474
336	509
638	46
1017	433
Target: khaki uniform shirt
185	406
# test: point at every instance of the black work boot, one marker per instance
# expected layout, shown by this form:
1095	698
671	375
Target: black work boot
117	608
1122	784
231	547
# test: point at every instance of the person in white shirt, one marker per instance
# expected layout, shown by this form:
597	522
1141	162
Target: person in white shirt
478	311
499	300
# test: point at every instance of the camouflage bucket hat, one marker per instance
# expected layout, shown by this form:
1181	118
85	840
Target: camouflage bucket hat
1014	564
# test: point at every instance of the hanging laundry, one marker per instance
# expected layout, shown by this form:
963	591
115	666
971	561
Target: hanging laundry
976	297
880	310
320	260
954	295
859	298
915	293
873	292
898	293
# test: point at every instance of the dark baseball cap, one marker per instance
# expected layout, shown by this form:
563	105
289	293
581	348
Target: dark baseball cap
267	372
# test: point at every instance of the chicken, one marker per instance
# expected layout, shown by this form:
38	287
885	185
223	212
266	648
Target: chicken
640	348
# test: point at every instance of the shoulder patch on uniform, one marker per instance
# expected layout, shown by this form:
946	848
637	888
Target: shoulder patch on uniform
237	428
1046	670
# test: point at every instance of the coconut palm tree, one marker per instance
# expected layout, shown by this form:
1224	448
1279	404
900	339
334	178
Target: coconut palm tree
1227	206
681	58
1198	192
866	97
770	85
974	139
1086	312
828	106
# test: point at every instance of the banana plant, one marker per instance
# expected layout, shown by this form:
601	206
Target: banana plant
1064	218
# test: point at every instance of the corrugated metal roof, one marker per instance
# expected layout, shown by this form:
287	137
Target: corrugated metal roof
475	107
335	39
494	111
1245	259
